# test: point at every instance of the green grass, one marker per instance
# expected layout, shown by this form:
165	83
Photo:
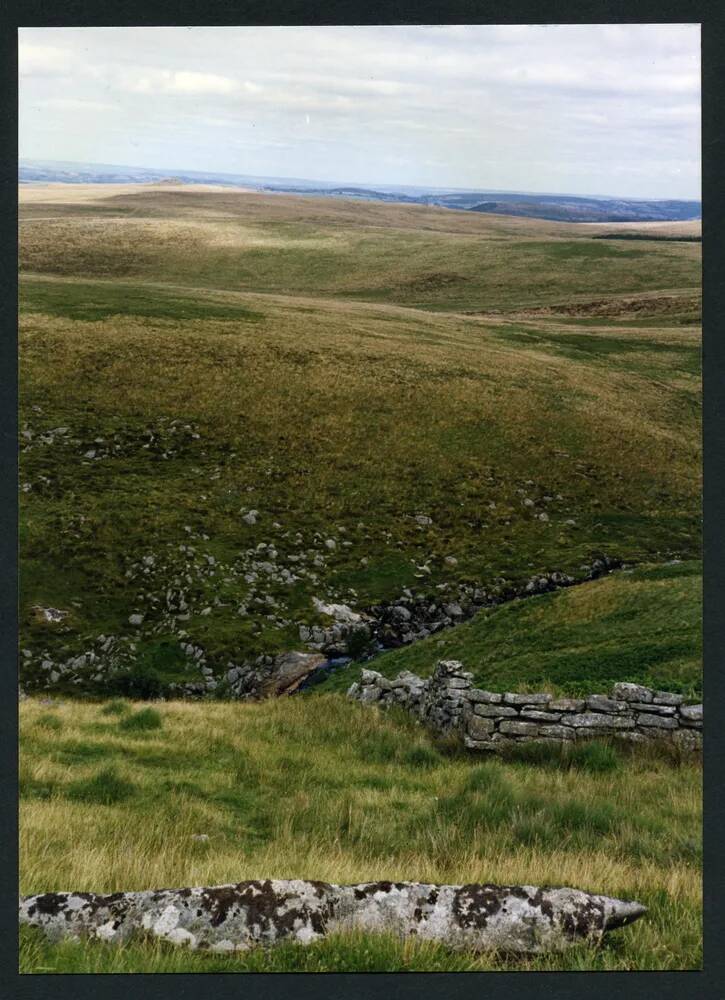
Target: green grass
328	789
197	398
350	953
92	302
104	789
428	258
642	625
143	721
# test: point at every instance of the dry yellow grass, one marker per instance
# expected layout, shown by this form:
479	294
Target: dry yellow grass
342	816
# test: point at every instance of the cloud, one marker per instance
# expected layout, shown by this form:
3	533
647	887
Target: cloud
553	107
179	82
76	104
44	60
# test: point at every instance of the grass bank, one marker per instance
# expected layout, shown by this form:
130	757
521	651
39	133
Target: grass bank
642	625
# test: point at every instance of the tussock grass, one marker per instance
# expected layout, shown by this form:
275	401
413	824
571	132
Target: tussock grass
143	721
104	788
323	788
116	707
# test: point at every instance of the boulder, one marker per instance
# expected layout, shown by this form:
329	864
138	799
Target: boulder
288	671
691	713
631	692
226	918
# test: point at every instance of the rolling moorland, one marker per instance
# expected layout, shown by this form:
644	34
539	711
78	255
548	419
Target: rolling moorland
561	207
233	404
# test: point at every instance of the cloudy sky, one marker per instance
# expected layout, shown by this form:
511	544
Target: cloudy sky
590	109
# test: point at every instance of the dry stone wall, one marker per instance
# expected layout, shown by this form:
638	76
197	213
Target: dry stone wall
449	703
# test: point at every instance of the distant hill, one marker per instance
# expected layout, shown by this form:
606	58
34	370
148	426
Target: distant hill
554	207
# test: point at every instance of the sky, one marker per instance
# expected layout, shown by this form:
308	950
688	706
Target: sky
579	109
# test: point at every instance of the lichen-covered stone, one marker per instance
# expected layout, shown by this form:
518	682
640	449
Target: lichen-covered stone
494	711
657	721
600	703
691	713
487	697
534	715
514	727
668	698
567	705
592	720
625	691
654	709
557	732
526	699
515	919
479	728
687	739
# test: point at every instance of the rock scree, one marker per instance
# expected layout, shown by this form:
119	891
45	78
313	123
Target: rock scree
447	702
479	917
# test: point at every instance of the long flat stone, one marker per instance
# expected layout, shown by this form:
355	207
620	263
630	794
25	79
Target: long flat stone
494	711
656	721
653	708
600	703
567	705
511	698
534	715
225	918
668	698
592	720
487	697
513	727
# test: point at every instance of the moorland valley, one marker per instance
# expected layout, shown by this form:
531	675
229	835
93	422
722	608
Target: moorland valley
372	435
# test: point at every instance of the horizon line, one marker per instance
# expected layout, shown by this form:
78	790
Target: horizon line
361	184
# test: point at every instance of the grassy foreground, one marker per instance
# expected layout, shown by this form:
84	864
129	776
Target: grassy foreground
112	796
642	624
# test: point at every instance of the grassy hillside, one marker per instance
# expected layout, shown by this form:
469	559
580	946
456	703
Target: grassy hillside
409	255
113	795
187	357
643	625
